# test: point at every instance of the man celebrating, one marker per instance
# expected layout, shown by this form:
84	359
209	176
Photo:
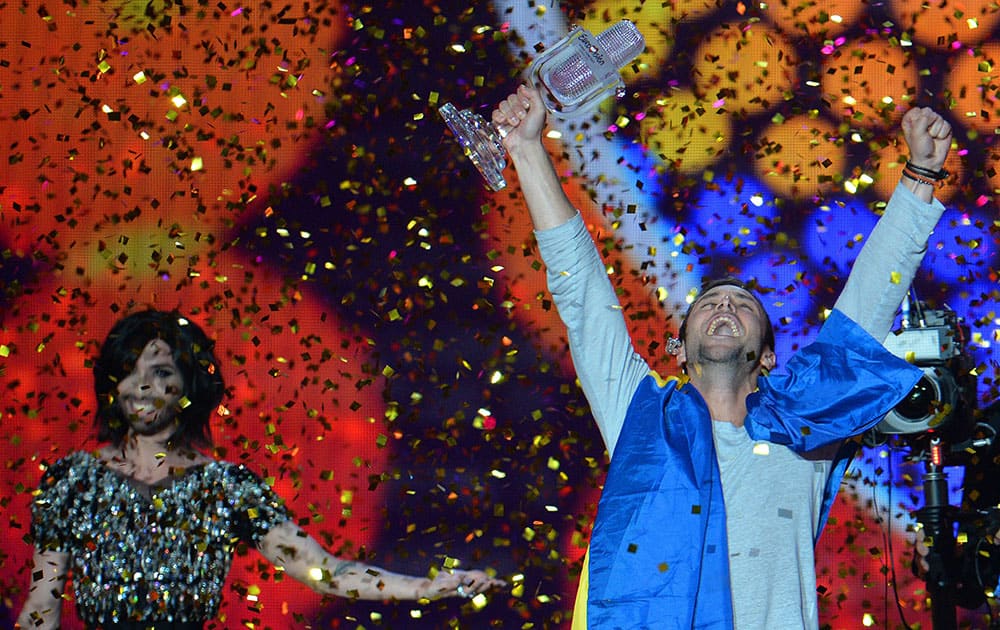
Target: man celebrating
720	483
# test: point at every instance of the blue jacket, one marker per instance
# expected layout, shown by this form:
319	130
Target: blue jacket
658	554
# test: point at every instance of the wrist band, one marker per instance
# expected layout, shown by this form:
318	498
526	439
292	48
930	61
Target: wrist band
926	172
916	178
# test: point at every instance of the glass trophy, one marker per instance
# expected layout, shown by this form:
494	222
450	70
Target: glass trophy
576	73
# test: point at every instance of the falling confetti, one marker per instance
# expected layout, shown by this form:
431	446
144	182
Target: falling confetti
399	372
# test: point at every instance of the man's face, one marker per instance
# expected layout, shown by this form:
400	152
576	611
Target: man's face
726	325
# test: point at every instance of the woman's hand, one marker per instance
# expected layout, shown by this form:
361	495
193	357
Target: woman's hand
461	584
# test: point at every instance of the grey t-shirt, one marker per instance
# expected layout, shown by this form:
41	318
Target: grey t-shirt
773	496
773	500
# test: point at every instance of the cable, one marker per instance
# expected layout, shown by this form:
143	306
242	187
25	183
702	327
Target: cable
887	535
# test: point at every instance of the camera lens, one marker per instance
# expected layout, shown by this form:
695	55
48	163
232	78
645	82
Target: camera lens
919	403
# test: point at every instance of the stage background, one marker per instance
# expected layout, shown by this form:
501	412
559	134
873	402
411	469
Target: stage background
279	172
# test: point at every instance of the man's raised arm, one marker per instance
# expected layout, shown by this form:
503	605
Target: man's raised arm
521	119
606	364
885	267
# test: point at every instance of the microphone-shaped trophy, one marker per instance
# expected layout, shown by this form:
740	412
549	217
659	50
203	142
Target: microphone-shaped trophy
579	70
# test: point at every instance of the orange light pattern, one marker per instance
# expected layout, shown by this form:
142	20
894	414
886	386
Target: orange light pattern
140	138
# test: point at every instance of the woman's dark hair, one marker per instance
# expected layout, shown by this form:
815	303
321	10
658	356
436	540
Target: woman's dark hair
194	356
732	282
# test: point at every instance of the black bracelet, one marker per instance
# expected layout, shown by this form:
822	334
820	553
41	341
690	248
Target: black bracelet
913	177
926	172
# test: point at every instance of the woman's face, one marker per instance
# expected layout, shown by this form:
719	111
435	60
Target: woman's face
149	396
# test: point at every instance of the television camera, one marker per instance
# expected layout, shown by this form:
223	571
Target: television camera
942	401
940	422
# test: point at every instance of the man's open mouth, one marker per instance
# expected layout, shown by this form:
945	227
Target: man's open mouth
724	325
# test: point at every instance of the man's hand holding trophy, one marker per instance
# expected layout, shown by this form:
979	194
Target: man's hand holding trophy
580	70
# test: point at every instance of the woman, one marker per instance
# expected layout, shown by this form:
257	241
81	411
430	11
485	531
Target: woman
148	523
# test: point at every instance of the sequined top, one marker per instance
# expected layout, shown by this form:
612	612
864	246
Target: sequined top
150	553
